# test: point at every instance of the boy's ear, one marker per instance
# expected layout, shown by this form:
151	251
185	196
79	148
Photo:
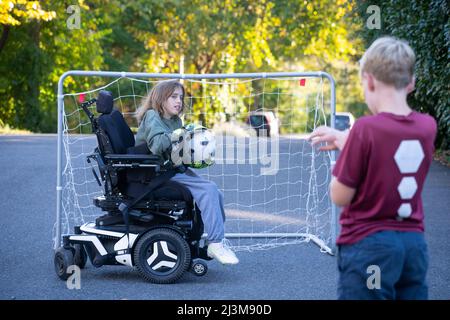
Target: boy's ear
370	81
411	86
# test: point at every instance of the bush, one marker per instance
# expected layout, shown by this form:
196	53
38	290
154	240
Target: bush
425	25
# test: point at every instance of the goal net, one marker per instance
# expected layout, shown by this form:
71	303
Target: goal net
275	184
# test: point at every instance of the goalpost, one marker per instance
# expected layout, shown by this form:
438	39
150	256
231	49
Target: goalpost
275	187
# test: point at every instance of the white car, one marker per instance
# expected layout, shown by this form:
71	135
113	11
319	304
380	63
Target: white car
344	120
264	122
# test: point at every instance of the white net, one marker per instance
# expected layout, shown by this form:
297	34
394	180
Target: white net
275	184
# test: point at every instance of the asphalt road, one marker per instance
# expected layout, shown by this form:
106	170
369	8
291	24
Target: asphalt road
293	272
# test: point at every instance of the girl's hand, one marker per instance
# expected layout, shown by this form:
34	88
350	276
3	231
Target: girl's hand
178	135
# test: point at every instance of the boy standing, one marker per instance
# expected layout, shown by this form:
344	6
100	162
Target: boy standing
378	179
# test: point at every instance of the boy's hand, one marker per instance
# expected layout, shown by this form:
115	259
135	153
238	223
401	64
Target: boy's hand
335	139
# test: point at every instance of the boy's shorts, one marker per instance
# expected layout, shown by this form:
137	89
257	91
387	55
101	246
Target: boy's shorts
384	265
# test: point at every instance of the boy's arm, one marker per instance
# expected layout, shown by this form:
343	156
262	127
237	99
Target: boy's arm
351	166
340	194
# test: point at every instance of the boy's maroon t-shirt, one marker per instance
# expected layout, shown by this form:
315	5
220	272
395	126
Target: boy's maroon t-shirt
386	159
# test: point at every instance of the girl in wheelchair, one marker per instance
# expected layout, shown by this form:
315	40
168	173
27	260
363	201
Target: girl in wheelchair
158	118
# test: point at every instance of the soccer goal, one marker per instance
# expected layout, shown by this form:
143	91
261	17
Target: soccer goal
275	184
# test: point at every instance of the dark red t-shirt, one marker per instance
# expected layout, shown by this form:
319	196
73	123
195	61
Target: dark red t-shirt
386	159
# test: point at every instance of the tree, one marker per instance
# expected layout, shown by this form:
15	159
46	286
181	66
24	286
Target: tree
425	25
16	12
197	36
36	55
235	36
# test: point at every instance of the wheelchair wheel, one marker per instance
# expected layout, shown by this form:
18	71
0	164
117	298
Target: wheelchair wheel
63	259
162	255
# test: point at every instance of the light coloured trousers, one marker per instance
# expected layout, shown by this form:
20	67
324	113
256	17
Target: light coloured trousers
209	200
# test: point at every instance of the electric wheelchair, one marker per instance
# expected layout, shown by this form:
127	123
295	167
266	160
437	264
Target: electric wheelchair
149	222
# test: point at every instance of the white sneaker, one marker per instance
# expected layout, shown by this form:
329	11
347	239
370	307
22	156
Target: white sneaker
222	252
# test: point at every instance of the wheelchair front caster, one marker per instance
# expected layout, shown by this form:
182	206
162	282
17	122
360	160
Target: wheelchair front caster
199	268
79	256
63	259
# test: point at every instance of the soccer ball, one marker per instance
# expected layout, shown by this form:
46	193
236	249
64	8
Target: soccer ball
193	146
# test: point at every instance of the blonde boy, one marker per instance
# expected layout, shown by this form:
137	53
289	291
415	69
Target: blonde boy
378	179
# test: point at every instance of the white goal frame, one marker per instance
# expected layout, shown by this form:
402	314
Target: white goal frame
180	76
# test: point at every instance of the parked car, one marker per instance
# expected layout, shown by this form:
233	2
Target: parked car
264	122
344	120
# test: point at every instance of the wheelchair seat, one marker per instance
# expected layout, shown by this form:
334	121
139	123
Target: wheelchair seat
116	137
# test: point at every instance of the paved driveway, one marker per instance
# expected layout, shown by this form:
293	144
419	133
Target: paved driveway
294	272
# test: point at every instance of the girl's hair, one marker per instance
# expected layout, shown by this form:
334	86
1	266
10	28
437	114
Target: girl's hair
158	96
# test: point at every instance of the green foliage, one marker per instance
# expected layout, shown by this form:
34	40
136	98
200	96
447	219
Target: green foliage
237	36
425	25
199	36
14	12
36	55
214	36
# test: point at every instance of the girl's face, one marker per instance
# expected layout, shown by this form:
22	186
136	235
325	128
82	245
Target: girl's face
172	107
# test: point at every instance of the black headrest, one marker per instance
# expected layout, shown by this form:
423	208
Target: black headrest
105	102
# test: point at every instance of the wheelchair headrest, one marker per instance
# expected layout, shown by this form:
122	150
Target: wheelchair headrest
105	102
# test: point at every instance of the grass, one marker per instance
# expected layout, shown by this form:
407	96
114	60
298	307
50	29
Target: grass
443	156
6	129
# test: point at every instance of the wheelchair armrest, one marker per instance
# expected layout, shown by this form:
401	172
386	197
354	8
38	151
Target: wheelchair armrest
134	161
133	158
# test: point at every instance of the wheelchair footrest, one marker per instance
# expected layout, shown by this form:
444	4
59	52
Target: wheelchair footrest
203	254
